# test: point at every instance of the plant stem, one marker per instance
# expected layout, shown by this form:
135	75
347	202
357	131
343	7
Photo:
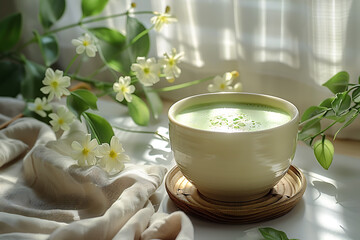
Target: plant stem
81	22
20	48
71	63
79	65
320	115
91	81
96	19
322	131
182	85
146	132
140	35
97	71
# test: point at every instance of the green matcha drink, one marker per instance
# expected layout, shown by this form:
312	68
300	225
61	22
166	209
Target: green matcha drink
232	117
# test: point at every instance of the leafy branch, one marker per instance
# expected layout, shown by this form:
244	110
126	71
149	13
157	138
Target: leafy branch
343	108
124	55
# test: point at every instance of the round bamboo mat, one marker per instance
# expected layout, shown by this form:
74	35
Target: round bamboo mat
279	201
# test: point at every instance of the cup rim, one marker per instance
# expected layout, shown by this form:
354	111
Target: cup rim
172	110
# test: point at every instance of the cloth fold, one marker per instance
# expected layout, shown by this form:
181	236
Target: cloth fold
44	194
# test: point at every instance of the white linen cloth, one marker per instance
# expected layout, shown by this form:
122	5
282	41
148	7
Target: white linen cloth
45	195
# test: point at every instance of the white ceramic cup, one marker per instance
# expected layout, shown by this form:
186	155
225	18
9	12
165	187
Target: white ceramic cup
233	166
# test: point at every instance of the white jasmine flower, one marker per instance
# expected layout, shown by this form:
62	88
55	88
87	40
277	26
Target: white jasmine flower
146	70
112	156
85	151
237	87
221	83
171	70
85	44
124	89
55	84
61	119
162	18
40	106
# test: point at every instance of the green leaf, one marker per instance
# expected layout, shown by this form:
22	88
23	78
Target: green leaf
155	102
49	48
112	44
327	102
324	152
50	11
312	112
356	95
142	46
92	7
34	74
109	35
338	83
11	75
273	234
341	103
332	116
310	129
351	116
81	100
99	127
138	111
10	31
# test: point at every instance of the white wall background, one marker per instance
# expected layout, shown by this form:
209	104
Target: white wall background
286	48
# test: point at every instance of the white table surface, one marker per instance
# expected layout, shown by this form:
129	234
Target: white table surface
329	209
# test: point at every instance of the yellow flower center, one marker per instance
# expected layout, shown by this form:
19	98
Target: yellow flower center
86	43
85	151
222	86
171	62
112	154
163	19
39	107
54	84
61	121
123	89
146	70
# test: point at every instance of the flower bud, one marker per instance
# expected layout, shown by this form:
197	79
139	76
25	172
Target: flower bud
235	74
167	9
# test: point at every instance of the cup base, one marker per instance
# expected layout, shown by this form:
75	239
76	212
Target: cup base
232	199
280	200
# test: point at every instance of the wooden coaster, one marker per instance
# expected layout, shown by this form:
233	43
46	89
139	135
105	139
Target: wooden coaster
279	201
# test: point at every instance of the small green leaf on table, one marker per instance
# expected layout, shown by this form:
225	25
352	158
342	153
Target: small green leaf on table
338	83
99	127
10	31
81	100
138	111
273	234
50	11
324	152
92	7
